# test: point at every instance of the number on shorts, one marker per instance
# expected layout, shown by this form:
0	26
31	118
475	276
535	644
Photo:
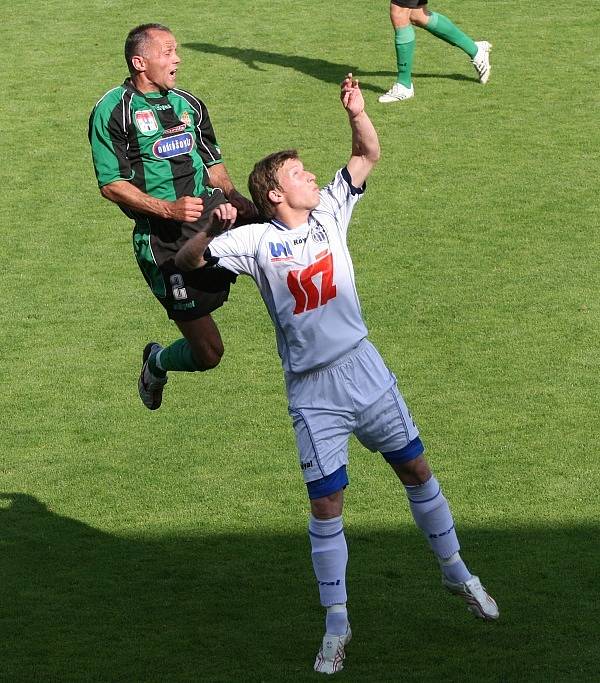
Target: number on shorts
178	287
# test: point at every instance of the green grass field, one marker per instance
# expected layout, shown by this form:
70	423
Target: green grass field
171	546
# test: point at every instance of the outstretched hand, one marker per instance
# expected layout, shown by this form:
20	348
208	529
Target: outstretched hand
351	96
222	218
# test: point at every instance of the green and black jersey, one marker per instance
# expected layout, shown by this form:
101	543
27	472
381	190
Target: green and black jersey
160	142
163	144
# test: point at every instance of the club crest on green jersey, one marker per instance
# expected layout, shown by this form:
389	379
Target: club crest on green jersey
146	121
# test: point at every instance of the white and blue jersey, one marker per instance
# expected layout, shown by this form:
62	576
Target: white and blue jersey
336	381
305	277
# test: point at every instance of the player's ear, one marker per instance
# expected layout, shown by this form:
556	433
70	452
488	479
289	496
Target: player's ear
275	197
139	63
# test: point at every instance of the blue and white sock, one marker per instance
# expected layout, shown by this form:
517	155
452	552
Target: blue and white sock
329	558
454	569
432	515
336	621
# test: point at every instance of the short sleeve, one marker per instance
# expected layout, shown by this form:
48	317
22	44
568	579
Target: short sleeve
237	249
338	199
108	140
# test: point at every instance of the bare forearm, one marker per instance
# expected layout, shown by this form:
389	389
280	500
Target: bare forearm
365	148
129	196
365	142
123	193
219	177
191	255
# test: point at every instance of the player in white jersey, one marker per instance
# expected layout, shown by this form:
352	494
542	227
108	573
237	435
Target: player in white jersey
337	383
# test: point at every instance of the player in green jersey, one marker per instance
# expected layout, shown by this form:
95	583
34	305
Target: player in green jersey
156	155
404	15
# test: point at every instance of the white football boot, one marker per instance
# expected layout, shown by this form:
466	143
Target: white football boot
150	387
330	658
474	594
397	93
481	61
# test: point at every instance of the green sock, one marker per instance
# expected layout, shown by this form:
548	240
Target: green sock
443	28
177	356
405	50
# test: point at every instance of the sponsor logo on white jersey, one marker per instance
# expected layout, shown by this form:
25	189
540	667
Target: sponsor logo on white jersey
318	234
280	251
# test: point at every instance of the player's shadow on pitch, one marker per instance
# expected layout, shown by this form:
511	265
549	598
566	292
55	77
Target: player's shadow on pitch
80	604
322	69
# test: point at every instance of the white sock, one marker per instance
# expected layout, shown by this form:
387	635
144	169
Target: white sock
432	515
329	558
454	569
336	621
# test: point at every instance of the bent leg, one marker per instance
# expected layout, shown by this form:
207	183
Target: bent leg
432	515
200	349
429	508
441	27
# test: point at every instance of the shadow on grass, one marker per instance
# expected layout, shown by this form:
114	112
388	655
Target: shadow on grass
323	70
80	604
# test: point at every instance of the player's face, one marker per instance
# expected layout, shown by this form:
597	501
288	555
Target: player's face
160	60
299	186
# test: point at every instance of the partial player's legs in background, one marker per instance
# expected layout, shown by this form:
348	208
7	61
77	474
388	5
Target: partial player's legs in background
404	41
441	27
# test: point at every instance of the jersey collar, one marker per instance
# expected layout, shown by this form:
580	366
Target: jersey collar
280	225
128	85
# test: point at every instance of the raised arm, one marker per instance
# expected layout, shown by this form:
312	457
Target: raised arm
365	143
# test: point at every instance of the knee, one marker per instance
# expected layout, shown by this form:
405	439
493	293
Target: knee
208	356
327	507
211	357
419	18
400	16
414	472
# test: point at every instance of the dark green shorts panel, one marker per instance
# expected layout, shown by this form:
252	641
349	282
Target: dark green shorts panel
196	293
185	296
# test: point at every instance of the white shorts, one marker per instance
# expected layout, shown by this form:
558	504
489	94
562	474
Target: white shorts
355	395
